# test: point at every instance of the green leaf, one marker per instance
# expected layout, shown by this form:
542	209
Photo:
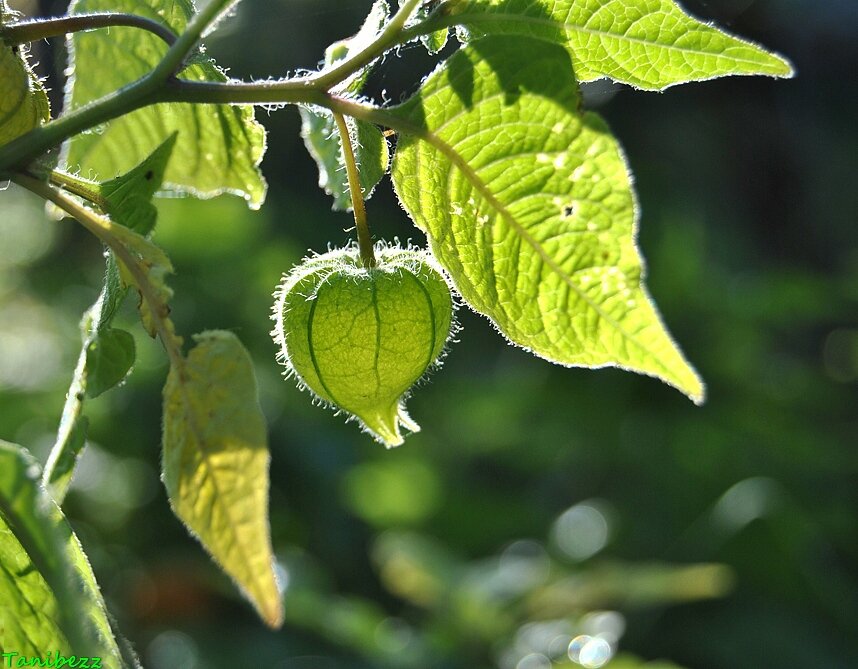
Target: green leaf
216	464
219	147
105	360
528	204
650	44
372	26
109	357
322	139
23	101
49	600
128	197
319	129
437	40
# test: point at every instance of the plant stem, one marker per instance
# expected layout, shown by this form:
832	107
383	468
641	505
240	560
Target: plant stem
358	206
111	235
161	86
174	59
32	31
84	188
281	93
389	37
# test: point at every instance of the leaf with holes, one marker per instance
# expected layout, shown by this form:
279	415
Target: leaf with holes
528	204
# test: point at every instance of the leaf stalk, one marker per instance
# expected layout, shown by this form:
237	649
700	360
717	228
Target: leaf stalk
358	206
111	235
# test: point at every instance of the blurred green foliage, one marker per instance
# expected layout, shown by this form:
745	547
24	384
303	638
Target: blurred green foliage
539	503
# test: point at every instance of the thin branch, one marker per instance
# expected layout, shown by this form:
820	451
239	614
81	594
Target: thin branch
112	236
161	86
174	59
285	92
389	37
33	31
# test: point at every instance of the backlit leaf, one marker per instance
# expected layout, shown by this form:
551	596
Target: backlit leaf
108	359
320	134
528	204
49	600
107	354
128	197
218	148
650	44
216	464
23	101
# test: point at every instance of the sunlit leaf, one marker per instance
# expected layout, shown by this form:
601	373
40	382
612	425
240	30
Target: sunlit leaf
650	44
219	147
340	50
49	600
23	101
528	204
437	40
216	463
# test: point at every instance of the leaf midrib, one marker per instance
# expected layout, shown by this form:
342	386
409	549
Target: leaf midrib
205	454
464	18
476	181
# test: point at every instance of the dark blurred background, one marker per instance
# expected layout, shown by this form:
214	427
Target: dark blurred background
539	505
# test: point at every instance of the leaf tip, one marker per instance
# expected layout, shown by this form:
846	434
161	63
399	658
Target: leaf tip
271	610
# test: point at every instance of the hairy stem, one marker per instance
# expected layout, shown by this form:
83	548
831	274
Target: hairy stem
389	37
112	236
79	186
358	206
280	93
174	59
32	31
161	86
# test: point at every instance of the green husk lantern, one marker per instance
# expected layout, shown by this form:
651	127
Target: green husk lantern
359	338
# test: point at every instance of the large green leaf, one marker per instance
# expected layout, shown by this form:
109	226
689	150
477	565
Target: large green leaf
528	204
650	44
49	601
216	463
219	147
23	101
